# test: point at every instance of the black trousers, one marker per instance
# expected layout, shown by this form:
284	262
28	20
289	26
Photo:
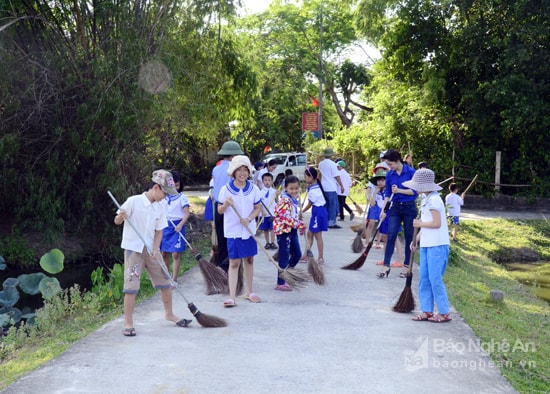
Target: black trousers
343	205
223	260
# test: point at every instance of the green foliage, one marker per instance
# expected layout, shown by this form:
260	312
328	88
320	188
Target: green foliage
16	250
108	288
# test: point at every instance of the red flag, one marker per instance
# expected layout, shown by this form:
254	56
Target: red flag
314	102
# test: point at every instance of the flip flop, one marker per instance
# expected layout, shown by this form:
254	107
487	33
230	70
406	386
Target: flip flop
253	297
397	264
284	287
184	323
229	303
129	332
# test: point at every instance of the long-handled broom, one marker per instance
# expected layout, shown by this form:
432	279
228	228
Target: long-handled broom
313	266
214	276
358	208
358	263
295	278
203	319
405	303
357	244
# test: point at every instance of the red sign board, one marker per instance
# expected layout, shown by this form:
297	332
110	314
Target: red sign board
310	121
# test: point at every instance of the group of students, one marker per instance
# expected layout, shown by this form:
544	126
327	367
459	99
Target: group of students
241	204
154	227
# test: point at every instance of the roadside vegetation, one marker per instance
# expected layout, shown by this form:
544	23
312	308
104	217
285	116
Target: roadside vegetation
516	332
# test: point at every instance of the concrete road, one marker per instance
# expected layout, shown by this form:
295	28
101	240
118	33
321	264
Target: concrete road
342	338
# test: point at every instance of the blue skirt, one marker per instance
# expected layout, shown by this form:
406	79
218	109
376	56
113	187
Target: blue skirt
171	240
237	248
319	219
209	210
266	224
374	212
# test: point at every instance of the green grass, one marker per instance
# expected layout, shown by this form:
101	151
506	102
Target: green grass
522	320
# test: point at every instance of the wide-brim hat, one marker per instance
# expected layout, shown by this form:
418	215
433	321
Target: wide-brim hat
230	148
166	181
380	173
328	151
237	162
423	181
381	166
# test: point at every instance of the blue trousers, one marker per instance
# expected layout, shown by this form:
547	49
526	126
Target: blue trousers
332	207
289	251
400	213
433	263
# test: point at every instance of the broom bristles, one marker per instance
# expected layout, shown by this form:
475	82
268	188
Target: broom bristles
295	278
204	319
405	303
315	270
357	244
214	277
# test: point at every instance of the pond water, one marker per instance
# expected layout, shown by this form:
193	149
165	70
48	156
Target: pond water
536	275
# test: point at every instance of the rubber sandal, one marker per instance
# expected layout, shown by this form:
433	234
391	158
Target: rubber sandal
440	318
253	297
424	316
397	264
381	262
321	261
229	303
184	323
129	332
284	287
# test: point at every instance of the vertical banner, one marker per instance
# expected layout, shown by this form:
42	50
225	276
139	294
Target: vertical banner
310	122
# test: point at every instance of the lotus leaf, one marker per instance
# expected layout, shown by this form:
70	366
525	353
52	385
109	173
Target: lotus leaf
52	262
10	282
9	296
29	282
49	287
2	263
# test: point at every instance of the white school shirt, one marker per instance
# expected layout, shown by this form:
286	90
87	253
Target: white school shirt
453	202
147	217
174	206
243	201
315	195
345	178
269	200
329	170
259	181
433	236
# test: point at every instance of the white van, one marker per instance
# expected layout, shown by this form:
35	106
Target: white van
295	161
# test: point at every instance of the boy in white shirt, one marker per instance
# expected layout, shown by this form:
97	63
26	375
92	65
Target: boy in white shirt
453	202
148	216
268	205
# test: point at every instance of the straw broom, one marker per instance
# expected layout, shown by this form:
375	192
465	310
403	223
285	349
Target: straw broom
357	244
203	319
405	303
358	208
358	263
214	276
313	266
295	278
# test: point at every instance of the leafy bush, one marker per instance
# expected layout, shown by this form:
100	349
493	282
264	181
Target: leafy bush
108	288
17	251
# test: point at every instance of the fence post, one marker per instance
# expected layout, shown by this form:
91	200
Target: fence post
497	172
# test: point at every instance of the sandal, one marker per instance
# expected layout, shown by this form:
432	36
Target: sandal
381	262
284	287
397	264
321	261
424	316
253	297
441	318
184	323
129	332
229	303
384	274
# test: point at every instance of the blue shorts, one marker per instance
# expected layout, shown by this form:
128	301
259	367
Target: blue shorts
319	219
454	220
266	224
237	248
374	213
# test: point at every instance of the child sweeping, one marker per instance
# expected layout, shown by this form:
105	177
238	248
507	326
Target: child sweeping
319	214
287	223
242	197
434	248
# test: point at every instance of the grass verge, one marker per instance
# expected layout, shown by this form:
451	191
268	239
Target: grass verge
516	332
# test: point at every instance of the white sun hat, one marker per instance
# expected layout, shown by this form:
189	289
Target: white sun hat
423	181
237	162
